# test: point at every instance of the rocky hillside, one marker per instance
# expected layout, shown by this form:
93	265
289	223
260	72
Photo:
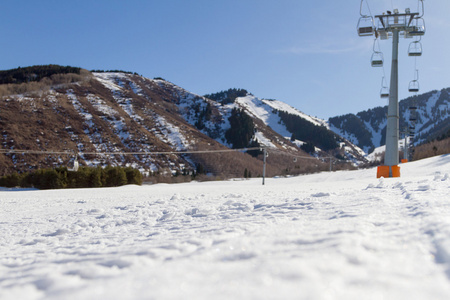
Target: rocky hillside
367	129
120	118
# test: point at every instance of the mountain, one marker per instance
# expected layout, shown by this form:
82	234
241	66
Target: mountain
367	129
122	118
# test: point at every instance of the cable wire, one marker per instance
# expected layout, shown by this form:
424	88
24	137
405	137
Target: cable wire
16	151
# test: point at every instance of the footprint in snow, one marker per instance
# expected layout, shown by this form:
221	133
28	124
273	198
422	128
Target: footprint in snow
167	216
318	195
57	232
118	263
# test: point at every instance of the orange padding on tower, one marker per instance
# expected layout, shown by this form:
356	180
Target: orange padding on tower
383	171
404	160
395	171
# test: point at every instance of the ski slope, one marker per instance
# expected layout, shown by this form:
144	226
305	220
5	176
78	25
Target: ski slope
339	235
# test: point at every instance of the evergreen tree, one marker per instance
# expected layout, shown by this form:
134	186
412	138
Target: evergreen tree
242	129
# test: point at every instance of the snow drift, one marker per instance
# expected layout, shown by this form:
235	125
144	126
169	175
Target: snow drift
339	235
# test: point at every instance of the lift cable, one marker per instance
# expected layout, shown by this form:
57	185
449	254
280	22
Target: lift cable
73	153
293	155
368	8
15	151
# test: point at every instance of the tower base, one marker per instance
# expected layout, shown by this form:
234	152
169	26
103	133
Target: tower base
388	171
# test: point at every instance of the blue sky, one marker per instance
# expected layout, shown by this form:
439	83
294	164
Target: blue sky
305	53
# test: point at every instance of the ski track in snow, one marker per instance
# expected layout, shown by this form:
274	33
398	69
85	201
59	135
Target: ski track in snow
340	235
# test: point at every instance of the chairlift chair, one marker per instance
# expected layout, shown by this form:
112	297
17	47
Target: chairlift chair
413	86
377	59
419	28
415	49
384	92
405	34
365	26
412	119
413	108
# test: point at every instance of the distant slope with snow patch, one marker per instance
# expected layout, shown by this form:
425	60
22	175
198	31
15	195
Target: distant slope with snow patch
428	121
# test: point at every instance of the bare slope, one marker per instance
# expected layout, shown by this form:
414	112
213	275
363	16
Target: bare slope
121	112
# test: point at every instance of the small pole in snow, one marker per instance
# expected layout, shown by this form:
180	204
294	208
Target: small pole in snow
264	165
406	150
331	166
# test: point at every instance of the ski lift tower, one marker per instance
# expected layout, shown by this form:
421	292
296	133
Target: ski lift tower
393	24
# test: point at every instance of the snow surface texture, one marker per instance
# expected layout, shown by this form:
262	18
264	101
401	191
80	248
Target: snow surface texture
339	235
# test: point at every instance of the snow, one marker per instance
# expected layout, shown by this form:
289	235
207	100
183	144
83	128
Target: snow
263	112
111	80
279	105
259	136
169	133
338	235
378	152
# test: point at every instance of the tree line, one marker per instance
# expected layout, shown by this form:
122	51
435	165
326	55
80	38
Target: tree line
308	132
85	177
34	73
354	125
228	96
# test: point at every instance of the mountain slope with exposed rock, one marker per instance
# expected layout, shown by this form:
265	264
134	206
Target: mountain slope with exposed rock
120	118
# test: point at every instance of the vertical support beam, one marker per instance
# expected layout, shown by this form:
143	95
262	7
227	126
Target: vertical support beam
406	150
264	165
392	132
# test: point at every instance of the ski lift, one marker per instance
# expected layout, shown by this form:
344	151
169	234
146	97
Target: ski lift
405	35
412	119
415	48
418	29
413	108
383	34
76	165
377	56
414	84
365	26
423	8
384	92
377	59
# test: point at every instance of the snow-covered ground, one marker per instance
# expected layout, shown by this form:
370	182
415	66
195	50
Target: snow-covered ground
339	235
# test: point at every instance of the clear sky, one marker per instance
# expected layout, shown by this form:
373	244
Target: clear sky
305	53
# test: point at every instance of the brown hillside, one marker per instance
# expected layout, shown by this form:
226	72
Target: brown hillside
117	112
